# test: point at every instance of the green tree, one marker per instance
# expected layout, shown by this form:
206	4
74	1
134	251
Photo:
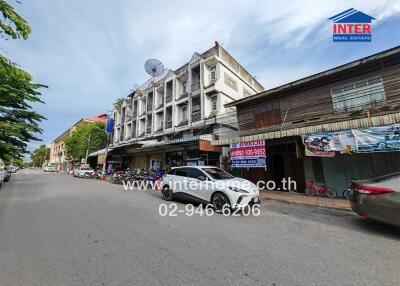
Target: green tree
88	137
40	156
18	122
12	25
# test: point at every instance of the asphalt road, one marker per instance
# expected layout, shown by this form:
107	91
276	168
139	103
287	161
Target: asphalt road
60	230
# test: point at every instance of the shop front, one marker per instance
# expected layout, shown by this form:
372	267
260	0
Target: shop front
197	152
335	158
276	160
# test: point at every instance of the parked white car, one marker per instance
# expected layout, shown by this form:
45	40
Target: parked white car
50	168
208	184
81	171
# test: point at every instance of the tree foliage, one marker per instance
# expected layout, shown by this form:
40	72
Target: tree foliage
12	25
78	142
40	156
18	122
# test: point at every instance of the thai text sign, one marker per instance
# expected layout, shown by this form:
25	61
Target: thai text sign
251	154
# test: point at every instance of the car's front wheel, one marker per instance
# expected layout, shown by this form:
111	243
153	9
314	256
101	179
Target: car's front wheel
166	193
220	201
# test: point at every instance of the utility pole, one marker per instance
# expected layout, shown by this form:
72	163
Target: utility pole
87	149
105	154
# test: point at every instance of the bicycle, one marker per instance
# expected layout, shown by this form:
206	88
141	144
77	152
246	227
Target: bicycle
311	189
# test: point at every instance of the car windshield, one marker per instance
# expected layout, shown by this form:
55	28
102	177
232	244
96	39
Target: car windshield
217	174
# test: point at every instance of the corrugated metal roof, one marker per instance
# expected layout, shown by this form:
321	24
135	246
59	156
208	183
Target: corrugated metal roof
381	120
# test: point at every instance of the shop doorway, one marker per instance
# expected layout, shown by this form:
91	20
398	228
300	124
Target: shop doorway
278	170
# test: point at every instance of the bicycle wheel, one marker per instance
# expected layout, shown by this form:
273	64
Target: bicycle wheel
331	193
310	191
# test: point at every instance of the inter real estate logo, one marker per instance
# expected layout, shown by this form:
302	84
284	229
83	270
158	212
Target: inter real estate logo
351	26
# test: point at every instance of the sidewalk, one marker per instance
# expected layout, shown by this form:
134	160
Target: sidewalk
297	198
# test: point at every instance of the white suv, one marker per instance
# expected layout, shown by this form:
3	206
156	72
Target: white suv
83	171
208	184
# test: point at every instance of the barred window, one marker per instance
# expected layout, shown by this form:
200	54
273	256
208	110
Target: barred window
359	94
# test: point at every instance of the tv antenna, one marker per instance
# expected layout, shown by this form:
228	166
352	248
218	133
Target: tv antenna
154	67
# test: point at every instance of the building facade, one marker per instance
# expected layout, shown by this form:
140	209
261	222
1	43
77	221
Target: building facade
171	118
361	97
57	147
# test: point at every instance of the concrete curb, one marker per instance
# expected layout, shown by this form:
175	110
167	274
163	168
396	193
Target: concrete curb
309	204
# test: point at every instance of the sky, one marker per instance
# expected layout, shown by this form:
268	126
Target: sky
91	52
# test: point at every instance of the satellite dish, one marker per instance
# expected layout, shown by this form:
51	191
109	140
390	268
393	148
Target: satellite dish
153	67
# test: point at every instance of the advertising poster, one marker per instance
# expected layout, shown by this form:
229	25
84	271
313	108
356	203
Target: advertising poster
251	154
378	139
325	144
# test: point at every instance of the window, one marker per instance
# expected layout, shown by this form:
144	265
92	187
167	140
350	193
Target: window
196	173
184	112
358	94
184	86
267	114
179	172
213	73
218	174
214	105
246	93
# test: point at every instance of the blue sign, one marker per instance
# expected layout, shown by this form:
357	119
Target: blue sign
378	139
251	154
351	26
109	124
260	162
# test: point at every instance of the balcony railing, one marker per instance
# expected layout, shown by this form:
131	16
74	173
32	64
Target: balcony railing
148	130
183	123
195	86
168	124
183	95
196	116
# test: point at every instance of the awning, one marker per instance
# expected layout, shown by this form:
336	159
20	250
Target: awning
152	144
99	152
366	122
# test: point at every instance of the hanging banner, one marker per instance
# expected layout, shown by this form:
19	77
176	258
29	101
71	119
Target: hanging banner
378	139
251	154
100	159
325	144
109	124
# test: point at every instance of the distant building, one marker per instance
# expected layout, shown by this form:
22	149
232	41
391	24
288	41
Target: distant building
57	147
170	119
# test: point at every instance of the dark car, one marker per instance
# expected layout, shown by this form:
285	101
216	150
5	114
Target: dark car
377	198
7	175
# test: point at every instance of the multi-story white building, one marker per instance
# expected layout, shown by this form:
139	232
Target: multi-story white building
181	108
